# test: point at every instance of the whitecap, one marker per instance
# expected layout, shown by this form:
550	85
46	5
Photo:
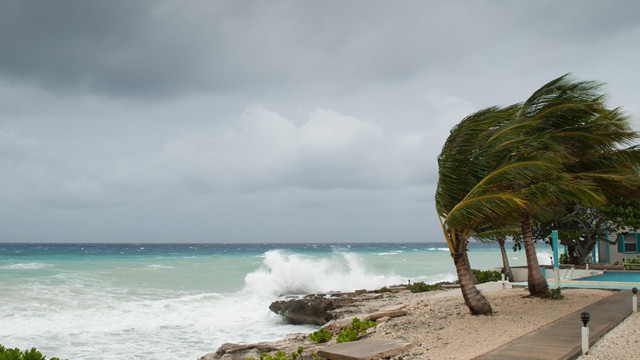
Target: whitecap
438	249
389	253
158	266
432	279
26	266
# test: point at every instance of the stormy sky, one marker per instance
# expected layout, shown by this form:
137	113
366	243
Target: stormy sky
268	121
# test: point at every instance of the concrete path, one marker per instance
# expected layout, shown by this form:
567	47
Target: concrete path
367	349
561	339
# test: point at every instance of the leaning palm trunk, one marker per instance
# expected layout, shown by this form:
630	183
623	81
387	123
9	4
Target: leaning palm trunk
536	281
505	259
475	301
473	277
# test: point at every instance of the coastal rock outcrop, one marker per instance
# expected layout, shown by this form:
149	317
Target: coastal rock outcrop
312	309
319	309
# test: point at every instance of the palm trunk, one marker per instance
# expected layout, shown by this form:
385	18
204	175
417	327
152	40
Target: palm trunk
505	259
476	302
536	281
473	277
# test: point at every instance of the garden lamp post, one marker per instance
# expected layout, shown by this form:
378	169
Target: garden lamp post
585	332
634	299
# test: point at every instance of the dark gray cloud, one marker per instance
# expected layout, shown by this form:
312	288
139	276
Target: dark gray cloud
268	121
172	48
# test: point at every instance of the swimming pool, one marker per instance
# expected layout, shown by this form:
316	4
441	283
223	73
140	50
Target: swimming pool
617	276
607	280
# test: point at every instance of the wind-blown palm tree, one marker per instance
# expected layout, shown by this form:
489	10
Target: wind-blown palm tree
569	121
506	163
472	168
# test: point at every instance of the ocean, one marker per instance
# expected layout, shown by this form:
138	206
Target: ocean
181	301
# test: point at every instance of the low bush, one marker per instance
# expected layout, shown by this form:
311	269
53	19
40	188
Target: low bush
384	290
279	355
554	294
16	354
486	275
420	286
355	330
564	259
321	336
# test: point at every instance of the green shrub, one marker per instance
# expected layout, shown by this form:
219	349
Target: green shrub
564	259
420	286
554	294
486	275
347	334
279	355
383	290
321	336
16	354
352	332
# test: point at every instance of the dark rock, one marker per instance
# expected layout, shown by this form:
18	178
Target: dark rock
311	309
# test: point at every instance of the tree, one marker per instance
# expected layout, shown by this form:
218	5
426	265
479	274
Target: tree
571	123
590	141
472	165
495	232
505	164
580	228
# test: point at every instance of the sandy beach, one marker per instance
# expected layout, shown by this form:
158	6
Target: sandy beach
438	325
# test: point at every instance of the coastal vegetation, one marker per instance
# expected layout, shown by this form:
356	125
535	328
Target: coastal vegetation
352	332
17	354
510	167
554	294
355	330
484	276
580	227
420	286
321	336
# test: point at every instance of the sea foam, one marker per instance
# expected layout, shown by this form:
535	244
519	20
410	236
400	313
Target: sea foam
26	266
288	274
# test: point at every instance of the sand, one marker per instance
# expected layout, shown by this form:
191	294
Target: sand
442	327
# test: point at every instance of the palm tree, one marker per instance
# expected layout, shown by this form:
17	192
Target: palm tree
495	232
506	164
472	168
569	121
506	268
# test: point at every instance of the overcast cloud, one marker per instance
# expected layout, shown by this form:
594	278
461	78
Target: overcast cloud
268	121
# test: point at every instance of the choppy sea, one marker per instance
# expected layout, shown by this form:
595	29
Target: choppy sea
181	301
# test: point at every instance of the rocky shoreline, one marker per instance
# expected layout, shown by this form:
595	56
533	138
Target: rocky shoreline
332	311
437	324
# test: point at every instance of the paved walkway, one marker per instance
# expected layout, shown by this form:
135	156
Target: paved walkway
367	349
561	339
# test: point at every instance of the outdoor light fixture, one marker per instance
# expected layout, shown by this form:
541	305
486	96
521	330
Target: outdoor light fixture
585	318
634	290
585	332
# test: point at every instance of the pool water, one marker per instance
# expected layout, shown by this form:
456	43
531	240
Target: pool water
617	276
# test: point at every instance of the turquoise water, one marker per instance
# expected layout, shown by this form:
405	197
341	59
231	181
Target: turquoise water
180	301
618	276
